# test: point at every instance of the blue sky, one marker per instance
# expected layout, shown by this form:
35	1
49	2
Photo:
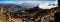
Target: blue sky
26	0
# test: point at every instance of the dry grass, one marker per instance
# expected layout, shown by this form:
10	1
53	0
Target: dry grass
15	20
3	19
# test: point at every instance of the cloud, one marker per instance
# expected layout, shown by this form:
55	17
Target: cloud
46	5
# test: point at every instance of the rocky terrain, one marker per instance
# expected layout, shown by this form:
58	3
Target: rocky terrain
21	13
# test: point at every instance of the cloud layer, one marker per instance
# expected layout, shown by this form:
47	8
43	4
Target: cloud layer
46	5
27	0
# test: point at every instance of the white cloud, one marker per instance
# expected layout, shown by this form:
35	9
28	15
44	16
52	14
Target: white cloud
45	5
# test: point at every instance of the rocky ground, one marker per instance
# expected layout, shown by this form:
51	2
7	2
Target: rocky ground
3	18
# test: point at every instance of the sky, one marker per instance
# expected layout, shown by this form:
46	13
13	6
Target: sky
27	0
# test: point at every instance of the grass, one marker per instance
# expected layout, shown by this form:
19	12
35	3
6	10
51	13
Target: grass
3	17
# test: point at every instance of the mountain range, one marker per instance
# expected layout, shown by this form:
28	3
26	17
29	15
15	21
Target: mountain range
15	7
